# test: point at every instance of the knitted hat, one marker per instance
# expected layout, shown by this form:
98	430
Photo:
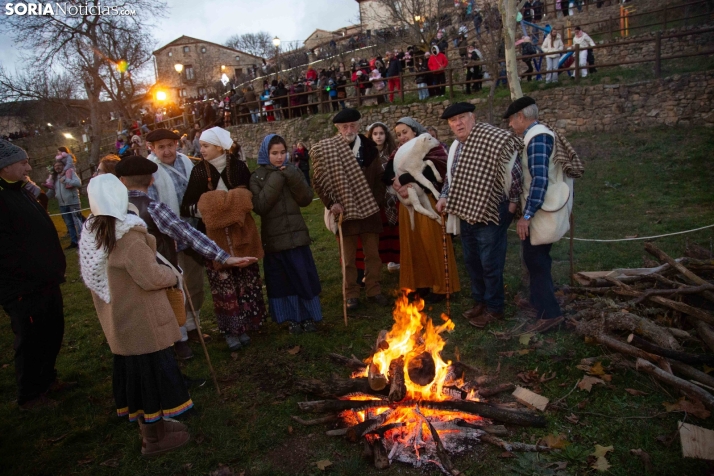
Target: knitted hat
10	154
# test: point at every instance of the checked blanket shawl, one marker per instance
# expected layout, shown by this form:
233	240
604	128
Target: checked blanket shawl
565	155
338	178
479	180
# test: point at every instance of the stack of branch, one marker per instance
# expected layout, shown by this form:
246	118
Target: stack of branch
661	316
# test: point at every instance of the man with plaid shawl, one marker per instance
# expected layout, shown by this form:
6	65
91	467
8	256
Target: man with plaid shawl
347	176
480	194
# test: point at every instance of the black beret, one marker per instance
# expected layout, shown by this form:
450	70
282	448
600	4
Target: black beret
135	165
518	105
456	109
346	115
161	134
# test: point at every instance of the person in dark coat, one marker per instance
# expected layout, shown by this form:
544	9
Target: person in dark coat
32	267
279	191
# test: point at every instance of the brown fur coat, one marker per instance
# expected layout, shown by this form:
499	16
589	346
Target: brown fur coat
230	212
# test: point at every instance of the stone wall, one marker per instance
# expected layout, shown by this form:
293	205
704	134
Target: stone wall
680	99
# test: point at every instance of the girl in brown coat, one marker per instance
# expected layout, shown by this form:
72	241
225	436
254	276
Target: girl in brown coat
118	264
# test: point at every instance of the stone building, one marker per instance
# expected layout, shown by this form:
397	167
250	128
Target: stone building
204	65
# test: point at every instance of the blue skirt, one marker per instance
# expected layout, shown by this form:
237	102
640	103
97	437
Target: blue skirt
293	285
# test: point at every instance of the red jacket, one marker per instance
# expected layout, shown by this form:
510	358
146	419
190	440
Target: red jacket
311	75
438	62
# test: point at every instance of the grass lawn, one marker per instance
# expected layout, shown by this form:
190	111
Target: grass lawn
636	183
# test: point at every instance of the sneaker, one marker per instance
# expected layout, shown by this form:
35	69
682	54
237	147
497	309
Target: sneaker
244	339
193	337
38	403
393	267
233	342
379	299
309	326
295	328
183	351
352	303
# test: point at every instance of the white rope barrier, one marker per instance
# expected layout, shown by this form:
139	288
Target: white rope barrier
635	238
67	213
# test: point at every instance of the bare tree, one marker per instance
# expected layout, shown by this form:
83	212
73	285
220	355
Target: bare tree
88	43
418	19
509	9
257	44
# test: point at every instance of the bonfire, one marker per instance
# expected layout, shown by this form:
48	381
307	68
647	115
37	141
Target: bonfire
406	403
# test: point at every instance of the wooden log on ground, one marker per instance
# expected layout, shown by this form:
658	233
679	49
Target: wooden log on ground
398	386
693	374
624	348
486	410
348	361
381	460
498	430
335	406
671	292
688	275
626	321
316	421
700	314
513	446
704	332
687	388
336	387
685	357
491	391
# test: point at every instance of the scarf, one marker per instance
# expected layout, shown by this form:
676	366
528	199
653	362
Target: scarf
478	183
164	184
93	261
339	179
565	155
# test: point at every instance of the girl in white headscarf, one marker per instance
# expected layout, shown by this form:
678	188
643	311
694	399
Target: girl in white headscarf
237	293
118	264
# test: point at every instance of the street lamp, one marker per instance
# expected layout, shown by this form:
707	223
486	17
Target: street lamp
276	44
161	96
178	67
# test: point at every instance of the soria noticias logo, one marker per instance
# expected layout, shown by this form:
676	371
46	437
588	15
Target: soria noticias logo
64	9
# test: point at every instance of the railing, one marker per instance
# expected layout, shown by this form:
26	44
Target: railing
324	105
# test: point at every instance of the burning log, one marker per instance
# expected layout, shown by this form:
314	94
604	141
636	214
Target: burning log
440	450
351	362
354	433
316	421
336	387
498	430
381	460
513	446
377	381
422	369
384	429
506	415
687	388
685	357
398	387
335	406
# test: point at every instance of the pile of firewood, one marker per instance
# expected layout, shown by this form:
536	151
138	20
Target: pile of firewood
662	316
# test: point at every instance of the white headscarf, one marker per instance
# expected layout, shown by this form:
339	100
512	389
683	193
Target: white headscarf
217	136
108	196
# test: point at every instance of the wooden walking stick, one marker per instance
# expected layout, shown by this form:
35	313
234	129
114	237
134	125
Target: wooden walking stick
572	265
200	337
446	265
344	269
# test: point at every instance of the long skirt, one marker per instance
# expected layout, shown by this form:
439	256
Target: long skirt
293	285
388	243
149	385
237	298
422	254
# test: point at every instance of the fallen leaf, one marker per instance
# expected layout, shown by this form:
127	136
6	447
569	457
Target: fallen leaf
112	463
635	393
323	464
557	465
644	457
525	338
545	378
707	369
5	366
583	367
529	376
234	355
695	408
294	350
597	369
290	430
524	351
601	464
573	418
602	450
587	383
556	441
506	454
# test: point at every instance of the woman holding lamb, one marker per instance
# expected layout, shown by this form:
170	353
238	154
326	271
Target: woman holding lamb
422	260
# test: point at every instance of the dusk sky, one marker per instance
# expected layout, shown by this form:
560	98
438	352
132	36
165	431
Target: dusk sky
216	20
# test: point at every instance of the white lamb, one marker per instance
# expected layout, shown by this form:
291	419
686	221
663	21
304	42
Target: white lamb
410	159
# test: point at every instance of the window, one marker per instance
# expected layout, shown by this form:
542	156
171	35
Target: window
203	49
184	93
170	54
190	74
237	58
238	72
201	91
186	49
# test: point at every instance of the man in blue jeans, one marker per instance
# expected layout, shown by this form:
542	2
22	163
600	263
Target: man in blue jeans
480	194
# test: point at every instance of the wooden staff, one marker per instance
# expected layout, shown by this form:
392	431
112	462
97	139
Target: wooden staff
200	337
446	265
344	269
572	233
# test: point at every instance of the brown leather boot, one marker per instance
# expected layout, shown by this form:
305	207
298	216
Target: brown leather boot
485	319
157	440
475	311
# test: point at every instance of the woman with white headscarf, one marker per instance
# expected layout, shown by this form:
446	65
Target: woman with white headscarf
118	264
218	195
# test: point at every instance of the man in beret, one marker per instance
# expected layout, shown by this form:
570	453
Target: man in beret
169	187
32	267
348	179
539	169
480	193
